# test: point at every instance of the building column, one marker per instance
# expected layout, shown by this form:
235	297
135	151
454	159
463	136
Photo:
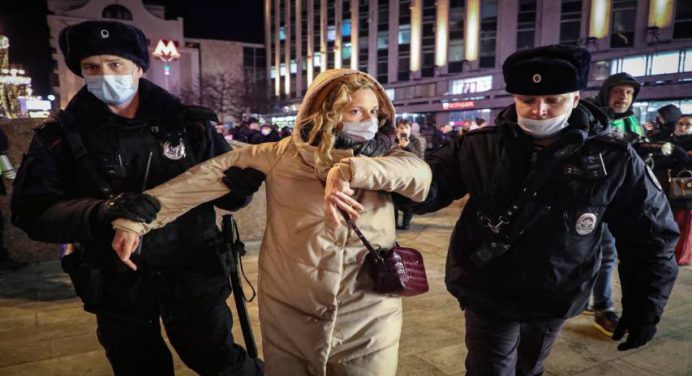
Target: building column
507	25
299	48
372	38
599	24
416	38
472	31
267	43
287	47
323	35
393	41
338	13
442	37
277	49
355	11
310	56
547	22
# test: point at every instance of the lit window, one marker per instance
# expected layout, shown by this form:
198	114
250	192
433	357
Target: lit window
282	33
294	67
390	93
331	33
282	69
405	34
634	65
317	59
688	61
665	62
382	40
346	28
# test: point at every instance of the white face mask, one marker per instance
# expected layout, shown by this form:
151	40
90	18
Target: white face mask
361	131
544	128
266	131
112	89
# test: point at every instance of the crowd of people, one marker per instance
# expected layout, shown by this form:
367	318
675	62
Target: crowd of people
557	191
251	132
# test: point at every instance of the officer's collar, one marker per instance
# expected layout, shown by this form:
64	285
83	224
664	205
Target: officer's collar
85	111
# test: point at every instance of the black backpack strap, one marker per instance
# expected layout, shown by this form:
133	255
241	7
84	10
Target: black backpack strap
81	156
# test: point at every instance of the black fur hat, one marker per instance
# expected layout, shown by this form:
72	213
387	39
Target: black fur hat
103	38
547	70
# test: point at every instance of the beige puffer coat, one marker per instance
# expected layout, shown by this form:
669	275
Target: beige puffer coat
317	311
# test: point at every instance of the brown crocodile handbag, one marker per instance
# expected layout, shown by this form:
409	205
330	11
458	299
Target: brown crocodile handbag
398	271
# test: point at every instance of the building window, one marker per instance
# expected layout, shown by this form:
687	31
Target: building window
683	20
622	27
665	62
404	34
390	93
600	70
687	66
346	51
456	36
282	33
117	12
526	23
570	22
472	85
488	34
382	40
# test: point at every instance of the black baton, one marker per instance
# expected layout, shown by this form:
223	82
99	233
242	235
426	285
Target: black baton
237	250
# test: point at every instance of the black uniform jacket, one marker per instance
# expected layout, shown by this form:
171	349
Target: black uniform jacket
56	199
552	264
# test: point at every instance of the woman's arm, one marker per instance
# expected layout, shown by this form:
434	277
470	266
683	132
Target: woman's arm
200	184
398	171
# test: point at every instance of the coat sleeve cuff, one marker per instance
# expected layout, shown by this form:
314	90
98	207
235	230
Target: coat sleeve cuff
130	226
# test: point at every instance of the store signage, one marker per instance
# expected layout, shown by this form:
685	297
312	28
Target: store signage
458	105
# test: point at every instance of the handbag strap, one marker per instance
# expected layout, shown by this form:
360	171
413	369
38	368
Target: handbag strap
365	241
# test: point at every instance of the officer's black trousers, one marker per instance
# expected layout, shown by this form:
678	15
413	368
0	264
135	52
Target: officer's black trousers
204	343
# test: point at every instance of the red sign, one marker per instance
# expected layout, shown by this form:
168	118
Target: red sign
458	105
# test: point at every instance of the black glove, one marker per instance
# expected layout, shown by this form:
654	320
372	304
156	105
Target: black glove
243	181
639	333
136	207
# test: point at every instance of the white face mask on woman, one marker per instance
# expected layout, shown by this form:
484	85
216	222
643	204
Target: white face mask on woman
112	89
544	128
361	131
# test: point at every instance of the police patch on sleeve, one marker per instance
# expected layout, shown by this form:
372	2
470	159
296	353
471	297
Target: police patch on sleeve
586	223
653	178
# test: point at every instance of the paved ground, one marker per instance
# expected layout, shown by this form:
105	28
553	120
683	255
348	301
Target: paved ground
43	330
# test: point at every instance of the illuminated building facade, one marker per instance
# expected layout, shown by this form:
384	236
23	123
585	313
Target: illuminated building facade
441	60
15	85
177	63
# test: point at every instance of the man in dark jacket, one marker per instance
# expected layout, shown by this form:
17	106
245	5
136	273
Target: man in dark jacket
618	93
525	252
119	135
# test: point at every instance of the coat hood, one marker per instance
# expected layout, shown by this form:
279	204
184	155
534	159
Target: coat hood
612	81
320	88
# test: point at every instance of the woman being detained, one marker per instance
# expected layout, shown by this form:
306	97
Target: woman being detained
318	313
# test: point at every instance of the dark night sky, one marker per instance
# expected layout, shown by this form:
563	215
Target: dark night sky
24	22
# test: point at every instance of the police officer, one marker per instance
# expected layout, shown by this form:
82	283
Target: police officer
525	252
119	135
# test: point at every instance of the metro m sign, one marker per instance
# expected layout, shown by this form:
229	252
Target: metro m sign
166	51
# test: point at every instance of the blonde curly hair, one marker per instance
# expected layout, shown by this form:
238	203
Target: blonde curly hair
325	111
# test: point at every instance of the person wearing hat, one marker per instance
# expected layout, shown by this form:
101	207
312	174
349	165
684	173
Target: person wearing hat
525	252
618	93
666	120
119	135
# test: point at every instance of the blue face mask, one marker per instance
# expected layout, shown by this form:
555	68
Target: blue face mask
112	89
